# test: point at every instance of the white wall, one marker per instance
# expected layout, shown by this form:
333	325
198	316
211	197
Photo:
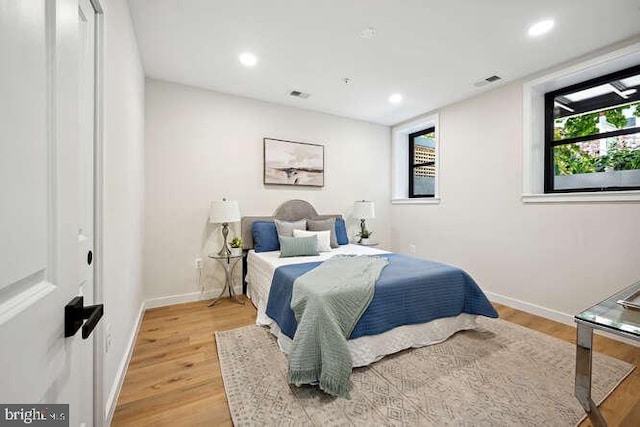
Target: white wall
562	257
123	187
202	145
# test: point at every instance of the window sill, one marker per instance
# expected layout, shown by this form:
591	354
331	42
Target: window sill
596	197
425	201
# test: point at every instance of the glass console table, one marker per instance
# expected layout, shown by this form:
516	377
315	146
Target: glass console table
610	315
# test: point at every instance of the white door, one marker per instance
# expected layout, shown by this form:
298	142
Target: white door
46	213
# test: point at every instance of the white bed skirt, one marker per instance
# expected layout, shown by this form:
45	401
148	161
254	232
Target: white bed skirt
364	350
368	349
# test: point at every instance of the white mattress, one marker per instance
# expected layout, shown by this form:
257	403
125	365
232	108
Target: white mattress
364	350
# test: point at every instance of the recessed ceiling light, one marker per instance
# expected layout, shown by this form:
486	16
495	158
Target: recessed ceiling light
540	28
248	59
395	98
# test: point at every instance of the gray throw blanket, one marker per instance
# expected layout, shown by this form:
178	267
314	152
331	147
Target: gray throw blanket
328	301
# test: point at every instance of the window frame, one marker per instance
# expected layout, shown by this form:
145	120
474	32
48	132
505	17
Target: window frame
412	165
550	143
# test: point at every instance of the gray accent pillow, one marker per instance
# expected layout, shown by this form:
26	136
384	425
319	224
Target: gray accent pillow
298	246
285	228
323	225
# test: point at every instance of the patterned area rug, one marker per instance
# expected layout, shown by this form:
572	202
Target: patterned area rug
499	374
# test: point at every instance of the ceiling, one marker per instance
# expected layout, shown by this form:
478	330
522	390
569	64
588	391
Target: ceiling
431	52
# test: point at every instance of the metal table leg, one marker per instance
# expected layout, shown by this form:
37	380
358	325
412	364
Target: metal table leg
584	353
228	276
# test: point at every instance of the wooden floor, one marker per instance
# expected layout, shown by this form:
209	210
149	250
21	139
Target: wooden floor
174	377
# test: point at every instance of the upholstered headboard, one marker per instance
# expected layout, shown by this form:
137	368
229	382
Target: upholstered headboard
292	210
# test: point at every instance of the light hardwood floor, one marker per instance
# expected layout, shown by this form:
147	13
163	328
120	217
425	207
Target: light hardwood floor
174	377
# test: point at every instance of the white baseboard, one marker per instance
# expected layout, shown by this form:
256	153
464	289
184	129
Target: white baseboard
190	297
112	400
551	314
538	310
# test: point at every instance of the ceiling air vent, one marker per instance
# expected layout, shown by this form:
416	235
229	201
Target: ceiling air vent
299	94
488	80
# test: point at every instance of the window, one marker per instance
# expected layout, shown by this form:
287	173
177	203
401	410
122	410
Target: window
403	160
422	163
592	135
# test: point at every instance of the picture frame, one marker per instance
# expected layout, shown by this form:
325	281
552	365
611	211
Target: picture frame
293	163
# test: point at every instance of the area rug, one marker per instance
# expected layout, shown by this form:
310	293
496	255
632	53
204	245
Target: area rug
500	374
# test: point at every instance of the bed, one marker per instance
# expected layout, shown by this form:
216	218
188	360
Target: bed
388	335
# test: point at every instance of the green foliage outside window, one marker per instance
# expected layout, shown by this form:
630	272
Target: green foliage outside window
578	126
622	159
571	159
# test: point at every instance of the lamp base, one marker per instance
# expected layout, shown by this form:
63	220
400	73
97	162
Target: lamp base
363	231
225	251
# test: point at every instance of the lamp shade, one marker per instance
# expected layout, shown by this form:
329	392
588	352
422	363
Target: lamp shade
363	210
224	211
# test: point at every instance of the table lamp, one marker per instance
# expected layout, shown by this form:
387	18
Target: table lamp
223	212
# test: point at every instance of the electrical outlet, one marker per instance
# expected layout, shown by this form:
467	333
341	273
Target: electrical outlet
108	338
412	249
198	263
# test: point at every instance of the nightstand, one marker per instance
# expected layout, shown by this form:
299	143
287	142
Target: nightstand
228	263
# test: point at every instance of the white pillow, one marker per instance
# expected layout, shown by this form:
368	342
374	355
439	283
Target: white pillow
324	238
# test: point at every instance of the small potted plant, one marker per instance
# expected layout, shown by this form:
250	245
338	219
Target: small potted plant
236	246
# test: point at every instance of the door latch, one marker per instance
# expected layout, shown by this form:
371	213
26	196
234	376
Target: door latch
75	313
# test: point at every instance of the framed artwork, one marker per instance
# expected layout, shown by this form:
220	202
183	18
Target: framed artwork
293	163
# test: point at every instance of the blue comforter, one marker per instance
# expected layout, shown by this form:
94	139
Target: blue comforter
409	291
